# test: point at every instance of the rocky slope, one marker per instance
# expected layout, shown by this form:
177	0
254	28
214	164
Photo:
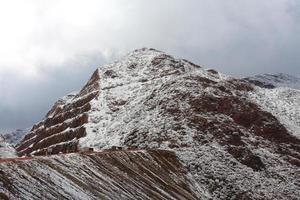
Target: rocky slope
232	145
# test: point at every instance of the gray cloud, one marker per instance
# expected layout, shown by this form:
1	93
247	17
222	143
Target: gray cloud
67	40
26	101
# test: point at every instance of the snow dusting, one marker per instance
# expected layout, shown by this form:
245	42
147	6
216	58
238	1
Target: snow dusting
234	139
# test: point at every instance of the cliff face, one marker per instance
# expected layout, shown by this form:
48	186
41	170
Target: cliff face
233	145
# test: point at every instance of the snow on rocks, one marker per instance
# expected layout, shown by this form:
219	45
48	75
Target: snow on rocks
282	102
124	85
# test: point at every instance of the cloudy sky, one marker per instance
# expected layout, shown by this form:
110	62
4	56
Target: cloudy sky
50	48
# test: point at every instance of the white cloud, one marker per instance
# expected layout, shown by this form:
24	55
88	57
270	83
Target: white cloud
35	33
40	32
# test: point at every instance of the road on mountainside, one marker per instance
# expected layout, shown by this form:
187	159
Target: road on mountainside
4	160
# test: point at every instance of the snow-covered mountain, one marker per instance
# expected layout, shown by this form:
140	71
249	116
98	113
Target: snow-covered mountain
279	94
14	137
277	80
232	145
282	102
6	149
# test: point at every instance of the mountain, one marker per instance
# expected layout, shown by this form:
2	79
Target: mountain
6	150
232	146
14	137
279	94
276	80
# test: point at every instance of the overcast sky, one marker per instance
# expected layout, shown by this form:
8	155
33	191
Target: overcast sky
49	48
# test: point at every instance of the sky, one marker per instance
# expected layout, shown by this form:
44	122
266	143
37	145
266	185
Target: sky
50	48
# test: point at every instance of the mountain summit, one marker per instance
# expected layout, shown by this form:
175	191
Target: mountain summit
230	143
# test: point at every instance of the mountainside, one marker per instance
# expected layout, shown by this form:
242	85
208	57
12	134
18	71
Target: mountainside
282	102
233	145
111	175
279	94
14	137
6	150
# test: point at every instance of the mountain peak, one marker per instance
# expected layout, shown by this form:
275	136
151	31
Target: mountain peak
146	62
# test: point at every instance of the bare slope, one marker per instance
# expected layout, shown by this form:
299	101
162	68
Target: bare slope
152	174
